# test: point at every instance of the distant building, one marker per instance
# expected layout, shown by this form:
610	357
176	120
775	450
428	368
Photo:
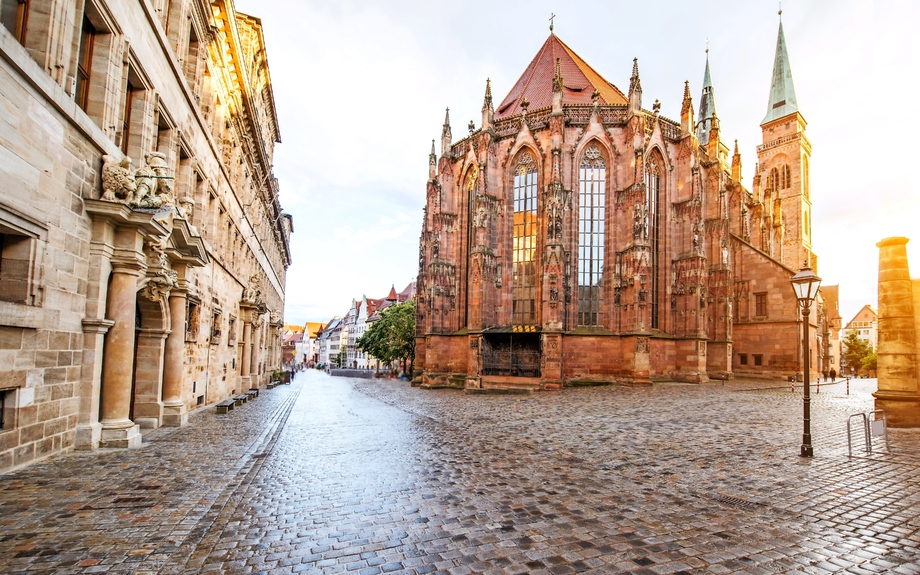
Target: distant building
576	236
829	329
865	324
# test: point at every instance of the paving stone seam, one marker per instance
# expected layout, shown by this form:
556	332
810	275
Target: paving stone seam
229	500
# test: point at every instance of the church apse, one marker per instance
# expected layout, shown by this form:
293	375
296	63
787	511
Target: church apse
579	238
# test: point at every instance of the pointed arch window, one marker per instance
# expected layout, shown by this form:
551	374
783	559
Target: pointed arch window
773	181
653	225
787	178
592	180
523	242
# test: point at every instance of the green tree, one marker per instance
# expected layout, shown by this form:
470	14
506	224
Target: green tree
870	362
392	337
855	349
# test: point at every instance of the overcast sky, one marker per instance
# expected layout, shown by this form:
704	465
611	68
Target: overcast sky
361	88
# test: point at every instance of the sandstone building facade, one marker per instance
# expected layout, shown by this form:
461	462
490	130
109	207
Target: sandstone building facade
578	237
144	249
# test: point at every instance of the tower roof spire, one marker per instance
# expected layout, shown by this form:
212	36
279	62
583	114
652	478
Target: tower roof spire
782	91
707	104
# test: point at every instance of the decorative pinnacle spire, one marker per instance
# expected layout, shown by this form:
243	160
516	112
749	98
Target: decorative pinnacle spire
557	79
432	148
634	83
447	118
686	89
551	22
487	101
736	147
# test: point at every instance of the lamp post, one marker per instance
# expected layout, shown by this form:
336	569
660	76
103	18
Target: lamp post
805	284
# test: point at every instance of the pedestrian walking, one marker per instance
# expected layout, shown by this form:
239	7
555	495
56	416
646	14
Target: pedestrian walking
825	374
833	374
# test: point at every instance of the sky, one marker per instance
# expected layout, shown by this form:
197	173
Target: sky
361	87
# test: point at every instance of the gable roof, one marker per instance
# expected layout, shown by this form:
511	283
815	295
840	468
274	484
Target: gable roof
579	79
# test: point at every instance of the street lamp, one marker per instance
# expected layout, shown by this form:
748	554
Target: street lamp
805	284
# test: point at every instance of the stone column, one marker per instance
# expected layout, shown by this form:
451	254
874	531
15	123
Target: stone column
256	342
174	410
246	360
898	385
118	370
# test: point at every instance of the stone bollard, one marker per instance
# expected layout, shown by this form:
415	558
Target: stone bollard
898	378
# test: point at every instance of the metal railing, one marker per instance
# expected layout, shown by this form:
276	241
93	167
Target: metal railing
874	424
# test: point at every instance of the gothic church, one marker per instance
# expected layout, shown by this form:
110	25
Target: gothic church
576	237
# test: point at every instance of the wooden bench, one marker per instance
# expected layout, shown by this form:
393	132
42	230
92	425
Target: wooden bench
252	393
240	399
225	405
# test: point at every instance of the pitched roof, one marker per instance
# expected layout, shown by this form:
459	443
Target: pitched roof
579	79
313	327
782	91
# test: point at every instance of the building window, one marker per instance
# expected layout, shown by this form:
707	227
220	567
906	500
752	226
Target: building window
524	240
231	331
216	321
84	63
14	14
786	177
760	304
7	403
592	181
758	359
653	230
742	359
192	320
20	257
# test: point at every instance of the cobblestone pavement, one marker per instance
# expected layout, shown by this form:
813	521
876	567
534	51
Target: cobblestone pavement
332	475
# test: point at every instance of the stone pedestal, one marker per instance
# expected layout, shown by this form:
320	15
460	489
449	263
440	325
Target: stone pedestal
898	378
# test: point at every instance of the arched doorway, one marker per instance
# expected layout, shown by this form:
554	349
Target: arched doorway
152	323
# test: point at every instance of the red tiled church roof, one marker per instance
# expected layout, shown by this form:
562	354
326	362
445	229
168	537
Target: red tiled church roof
579	79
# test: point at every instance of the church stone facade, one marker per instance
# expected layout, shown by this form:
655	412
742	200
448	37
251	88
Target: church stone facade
576	237
144	250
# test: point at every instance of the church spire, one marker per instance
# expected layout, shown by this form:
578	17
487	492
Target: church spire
487	110
635	89
708	113
446	138
782	91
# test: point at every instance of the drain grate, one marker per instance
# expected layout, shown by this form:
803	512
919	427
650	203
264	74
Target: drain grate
735	501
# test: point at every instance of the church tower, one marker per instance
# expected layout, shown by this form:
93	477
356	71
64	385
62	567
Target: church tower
783	161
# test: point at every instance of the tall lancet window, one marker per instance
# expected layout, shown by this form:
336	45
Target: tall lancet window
524	242
592	179
653	227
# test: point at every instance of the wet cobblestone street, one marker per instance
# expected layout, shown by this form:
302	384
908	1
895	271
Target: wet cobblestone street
332	475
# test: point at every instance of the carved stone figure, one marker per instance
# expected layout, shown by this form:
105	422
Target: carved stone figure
117	179
154	184
251	292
